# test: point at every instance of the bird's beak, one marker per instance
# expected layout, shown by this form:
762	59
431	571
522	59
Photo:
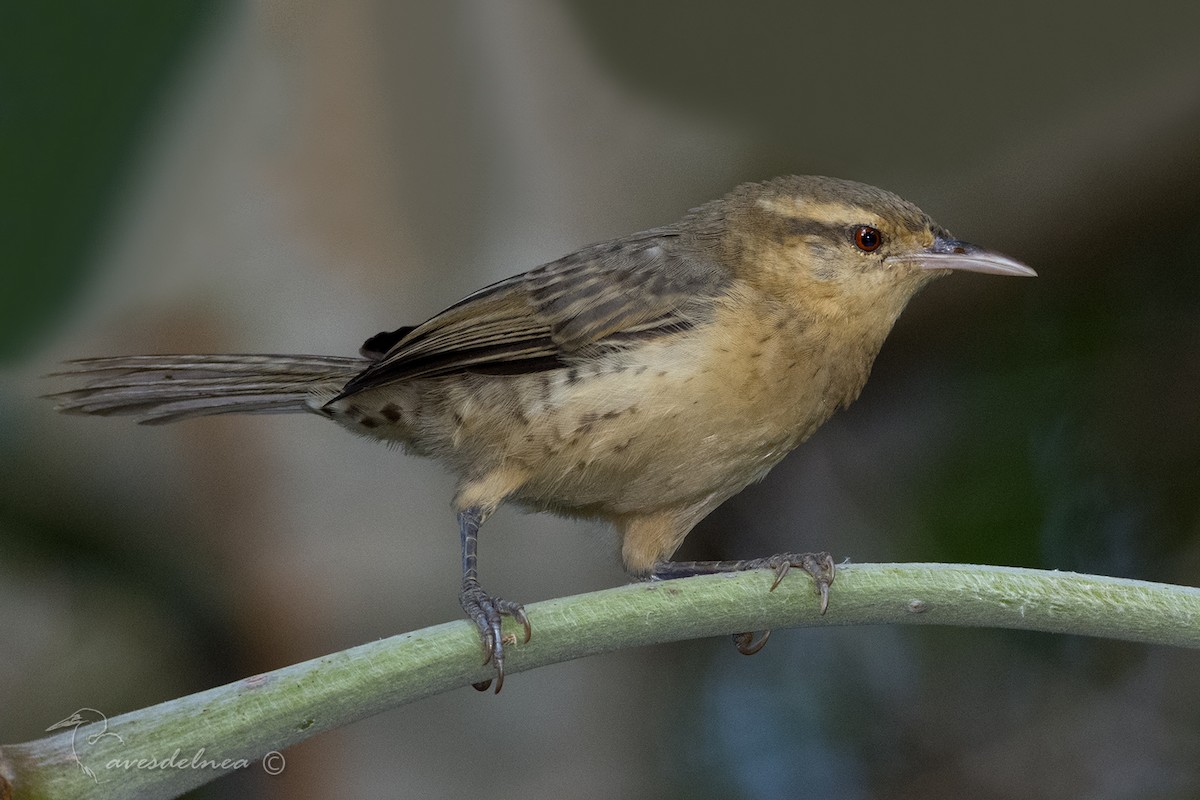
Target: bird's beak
947	253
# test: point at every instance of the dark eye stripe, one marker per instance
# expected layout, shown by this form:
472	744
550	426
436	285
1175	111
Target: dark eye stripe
800	226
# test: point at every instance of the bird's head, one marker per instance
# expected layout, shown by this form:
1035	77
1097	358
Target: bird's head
838	247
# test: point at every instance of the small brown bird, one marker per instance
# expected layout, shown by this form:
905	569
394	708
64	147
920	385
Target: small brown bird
643	381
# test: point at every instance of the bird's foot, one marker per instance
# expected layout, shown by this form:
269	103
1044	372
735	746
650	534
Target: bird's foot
818	565
487	612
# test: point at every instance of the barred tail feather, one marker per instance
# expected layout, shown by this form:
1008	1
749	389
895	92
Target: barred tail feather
159	389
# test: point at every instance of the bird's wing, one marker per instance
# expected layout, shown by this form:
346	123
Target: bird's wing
604	295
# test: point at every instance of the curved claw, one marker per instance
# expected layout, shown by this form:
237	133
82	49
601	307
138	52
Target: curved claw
745	644
489	642
780	571
518	614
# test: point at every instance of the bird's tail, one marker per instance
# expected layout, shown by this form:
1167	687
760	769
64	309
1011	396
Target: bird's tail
161	389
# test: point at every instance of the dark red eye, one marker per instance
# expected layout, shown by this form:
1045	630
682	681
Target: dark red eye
867	238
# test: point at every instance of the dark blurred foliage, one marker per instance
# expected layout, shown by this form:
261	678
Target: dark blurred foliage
78	82
1050	423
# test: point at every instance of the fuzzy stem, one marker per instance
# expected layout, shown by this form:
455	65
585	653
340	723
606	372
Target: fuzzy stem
240	722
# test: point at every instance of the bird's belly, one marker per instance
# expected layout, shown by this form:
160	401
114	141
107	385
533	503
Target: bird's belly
664	433
640	472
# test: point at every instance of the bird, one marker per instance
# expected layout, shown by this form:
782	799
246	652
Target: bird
641	381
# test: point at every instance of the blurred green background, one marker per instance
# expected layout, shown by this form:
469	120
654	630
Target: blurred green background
275	176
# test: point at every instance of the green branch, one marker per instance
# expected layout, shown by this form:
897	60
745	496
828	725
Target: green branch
167	749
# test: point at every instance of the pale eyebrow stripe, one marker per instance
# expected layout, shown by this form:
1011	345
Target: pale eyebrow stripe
828	213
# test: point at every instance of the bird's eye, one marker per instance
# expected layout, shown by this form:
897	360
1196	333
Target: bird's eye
867	238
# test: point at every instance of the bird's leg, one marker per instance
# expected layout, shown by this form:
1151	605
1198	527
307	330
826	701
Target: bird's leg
819	565
483	609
